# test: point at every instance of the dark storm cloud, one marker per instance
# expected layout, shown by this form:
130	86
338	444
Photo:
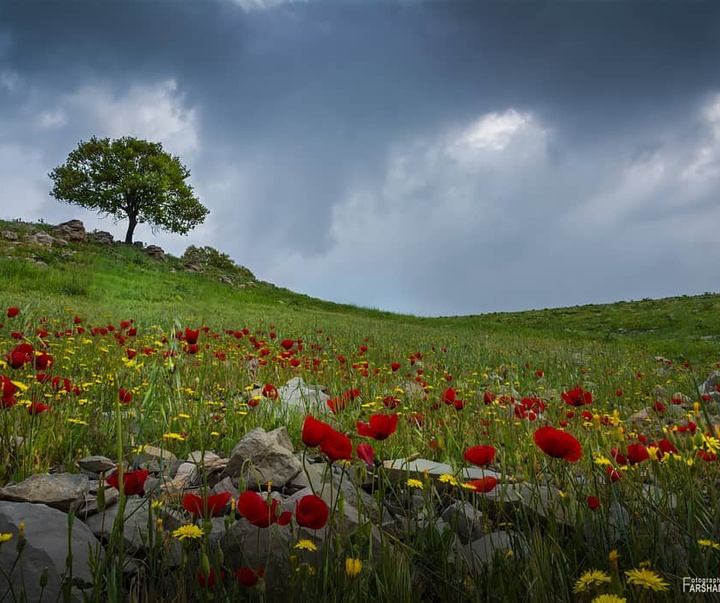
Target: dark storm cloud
432	157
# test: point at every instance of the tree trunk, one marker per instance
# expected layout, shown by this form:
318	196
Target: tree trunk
132	223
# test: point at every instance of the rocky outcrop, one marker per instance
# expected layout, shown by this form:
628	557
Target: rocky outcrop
103	237
155	252
72	231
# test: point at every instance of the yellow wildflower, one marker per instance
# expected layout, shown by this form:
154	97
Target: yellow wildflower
590	579
305	545
609	599
647	579
5	537
415	483
173	436
709	543
190	531
447	478
352	567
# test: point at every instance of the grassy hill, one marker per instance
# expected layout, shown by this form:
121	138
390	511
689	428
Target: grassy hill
108	280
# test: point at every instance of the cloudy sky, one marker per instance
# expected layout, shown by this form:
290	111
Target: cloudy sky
419	156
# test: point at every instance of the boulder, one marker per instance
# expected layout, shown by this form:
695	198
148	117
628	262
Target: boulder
62	491
9	235
155	252
309	398
103	237
45	552
262	457
73	231
40	238
135	524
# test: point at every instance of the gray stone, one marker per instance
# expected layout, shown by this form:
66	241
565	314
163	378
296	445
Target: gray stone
45	552
40	238
73	231
155	252
92	503
262	457
483	551
103	237
9	235
297	393
63	491
467	521
135	524
95	464
710	386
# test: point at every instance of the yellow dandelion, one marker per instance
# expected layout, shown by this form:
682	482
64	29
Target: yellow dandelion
447	478
5	537
352	567
609	599
646	578
601	460
590	579
415	483
76	421
305	545
182	415
189	530
709	543
173	436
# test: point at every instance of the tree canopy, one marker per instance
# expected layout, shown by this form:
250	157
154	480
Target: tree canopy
129	178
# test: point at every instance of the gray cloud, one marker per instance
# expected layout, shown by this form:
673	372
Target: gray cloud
428	157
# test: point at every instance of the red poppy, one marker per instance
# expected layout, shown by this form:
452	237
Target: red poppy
314	431
22	354
558	444
213	506
125	396
248	576
709	457
12	312
336	404
593	502
539	374
613	473
192	348
191	335
43	361
391	401
37	407
270	391
394	366
209	580
483	485
336	446
666	447
488	397
260	512
133	481
312	512
380	427
480	455
287	344
577	397
366	453
448	396
637	453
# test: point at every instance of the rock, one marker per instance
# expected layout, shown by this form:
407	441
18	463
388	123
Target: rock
262	457
139	244
62	491
543	503
155	252
73	231
194	268
225	279
135	525
465	519
40	238
103	237
645	415
91	505
403	469
710	386
309	398
482	552
40	264
9	235
45	551
95	465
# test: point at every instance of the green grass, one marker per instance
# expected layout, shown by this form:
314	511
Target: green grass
203	397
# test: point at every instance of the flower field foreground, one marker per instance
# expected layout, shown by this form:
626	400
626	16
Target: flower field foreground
427	465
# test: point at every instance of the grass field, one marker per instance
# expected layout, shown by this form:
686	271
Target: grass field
641	497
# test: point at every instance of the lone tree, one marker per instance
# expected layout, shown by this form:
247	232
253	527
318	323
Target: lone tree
131	179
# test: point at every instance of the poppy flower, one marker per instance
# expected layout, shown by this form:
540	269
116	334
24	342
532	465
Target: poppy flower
124	396
366	453
213	506
248	576
666	447
336	446
43	361
558	444
336	404
314	431
287	344
593	502
191	336
637	453
448	396
479	455
209	580
133	481
12	312
311	511
577	397
394	366
37	407
192	348
488	397
270	391
613	473
20	355
483	485
260	512
380	427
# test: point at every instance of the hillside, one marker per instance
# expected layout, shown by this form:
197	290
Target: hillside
103	279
